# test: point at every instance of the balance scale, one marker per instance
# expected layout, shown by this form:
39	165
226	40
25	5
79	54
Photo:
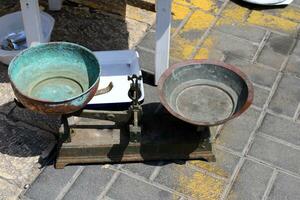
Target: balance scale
115	127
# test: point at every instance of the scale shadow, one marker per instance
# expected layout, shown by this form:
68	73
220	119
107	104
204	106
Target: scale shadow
19	139
164	139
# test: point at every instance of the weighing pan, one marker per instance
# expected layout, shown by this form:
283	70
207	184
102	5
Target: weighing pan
204	92
55	78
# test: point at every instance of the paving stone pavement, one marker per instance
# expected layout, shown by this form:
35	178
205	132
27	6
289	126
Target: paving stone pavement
257	154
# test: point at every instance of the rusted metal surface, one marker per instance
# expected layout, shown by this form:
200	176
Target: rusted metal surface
52	108
204	92
163	137
55	78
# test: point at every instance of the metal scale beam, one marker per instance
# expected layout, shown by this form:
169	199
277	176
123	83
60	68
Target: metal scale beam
102	136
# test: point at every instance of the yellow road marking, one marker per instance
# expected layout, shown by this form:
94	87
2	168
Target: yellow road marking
200	186
270	21
179	12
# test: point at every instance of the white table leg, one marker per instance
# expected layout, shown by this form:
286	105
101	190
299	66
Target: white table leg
55	4
163	31
32	21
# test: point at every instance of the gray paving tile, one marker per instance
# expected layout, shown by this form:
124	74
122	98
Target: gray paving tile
213	54
184	43
90	183
251	182
287	96
293	65
296	50
226	161
224	165
168	175
280	44
284	13
189	35
296	2
243	31
232	45
260	96
270	58
285	187
177	20
235	133
149	40
50	182
141	169
50	123
151	94
281	128
147	60
276	153
190	182
257	74
129	188
175	24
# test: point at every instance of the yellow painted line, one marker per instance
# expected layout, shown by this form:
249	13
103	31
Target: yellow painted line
206	53
209	42
206	5
179	12
182	48
229	21
202	53
199	21
183	2
200	186
234	12
210	167
290	13
273	22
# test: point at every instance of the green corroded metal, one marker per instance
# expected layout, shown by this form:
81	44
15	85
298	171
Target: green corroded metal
55	72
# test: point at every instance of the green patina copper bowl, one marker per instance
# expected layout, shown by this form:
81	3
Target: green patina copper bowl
55	78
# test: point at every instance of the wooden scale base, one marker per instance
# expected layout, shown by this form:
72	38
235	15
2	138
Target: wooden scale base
162	137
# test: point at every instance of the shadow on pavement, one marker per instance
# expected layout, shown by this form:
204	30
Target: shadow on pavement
19	139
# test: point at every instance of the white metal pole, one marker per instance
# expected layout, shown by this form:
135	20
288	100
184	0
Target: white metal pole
163	31
32	21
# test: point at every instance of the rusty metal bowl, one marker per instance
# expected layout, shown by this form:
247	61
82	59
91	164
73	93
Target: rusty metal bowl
55	78
204	92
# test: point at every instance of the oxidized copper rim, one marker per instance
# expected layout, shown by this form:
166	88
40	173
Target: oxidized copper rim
232	68
52	108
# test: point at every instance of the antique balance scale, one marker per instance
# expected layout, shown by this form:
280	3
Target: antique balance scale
110	124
